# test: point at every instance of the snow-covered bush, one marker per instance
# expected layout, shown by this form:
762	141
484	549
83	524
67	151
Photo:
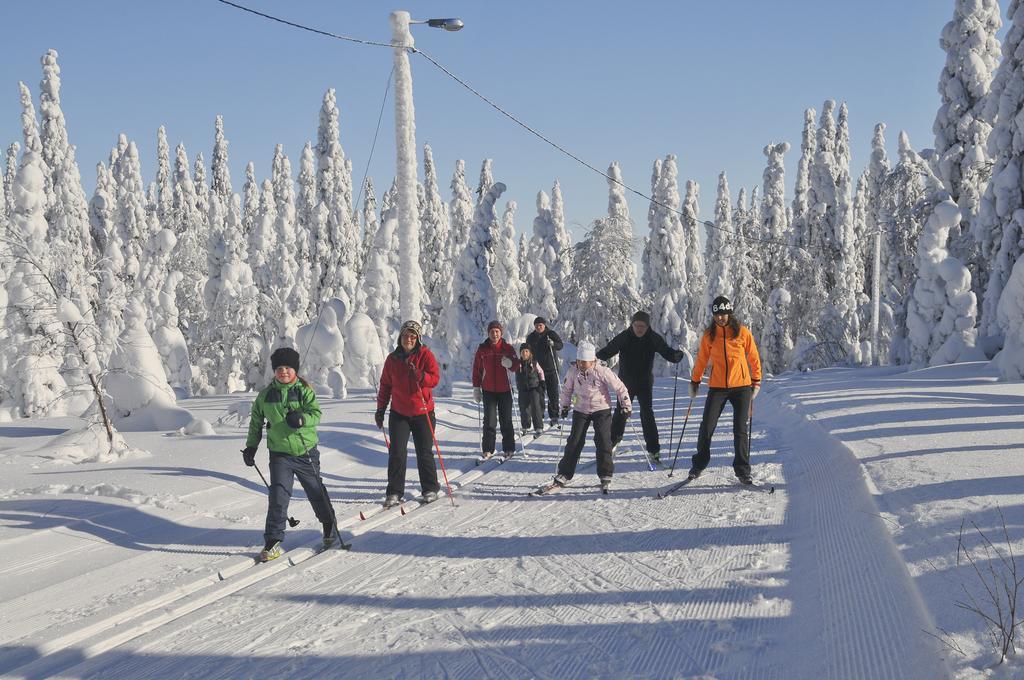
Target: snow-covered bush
942	309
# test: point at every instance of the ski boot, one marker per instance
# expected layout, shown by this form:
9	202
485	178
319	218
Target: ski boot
271	551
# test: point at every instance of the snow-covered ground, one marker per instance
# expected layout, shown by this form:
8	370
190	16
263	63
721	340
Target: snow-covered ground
143	567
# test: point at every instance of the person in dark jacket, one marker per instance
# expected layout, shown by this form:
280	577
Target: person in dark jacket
410	373
290	412
530	386
492	362
636	347
545	345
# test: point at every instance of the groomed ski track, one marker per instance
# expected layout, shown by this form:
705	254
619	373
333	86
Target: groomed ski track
713	581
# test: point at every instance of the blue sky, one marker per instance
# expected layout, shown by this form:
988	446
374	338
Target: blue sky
710	82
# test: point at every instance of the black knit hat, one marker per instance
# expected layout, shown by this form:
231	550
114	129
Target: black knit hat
641	316
721	305
285	356
540	319
524	346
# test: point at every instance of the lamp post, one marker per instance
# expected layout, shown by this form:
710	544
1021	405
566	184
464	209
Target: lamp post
410	278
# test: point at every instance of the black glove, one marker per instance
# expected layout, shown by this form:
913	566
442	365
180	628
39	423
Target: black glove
378	418
565	412
295	419
249	455
677	356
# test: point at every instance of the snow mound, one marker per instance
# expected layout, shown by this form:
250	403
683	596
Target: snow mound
141	399
323	349
89	445
105	490
197	426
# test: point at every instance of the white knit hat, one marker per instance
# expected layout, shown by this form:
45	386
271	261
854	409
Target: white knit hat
585	351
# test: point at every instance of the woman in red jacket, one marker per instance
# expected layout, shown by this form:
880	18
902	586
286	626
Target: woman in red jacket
492	362
410	372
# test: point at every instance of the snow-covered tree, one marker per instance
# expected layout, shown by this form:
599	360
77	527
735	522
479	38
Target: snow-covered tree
10	170
290	297
312	247
380	284
201	187
335	182
961	130
776	342
1011	320
840	319
603	279
1001	214
434	239
235	315
164	200
486	180
190	223
874	177
112	291
507	278
722	260
220	172
474	299
250	201
775	218
901	219
130	216
460	211
942	309
696	276
802	188
647	275
371	223
666	285
33	326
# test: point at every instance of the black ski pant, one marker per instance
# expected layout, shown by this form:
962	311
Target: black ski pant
740	398
399	427
602	421
644	394
531	408
498	408
552	386
284	468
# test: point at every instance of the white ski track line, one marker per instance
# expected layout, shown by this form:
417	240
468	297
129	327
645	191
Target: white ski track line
187	598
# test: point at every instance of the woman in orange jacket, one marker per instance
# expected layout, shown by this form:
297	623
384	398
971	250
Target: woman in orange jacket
735	378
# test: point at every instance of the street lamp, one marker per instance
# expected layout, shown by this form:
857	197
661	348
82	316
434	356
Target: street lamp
410	276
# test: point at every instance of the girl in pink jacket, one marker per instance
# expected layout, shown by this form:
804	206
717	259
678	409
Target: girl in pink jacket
588	390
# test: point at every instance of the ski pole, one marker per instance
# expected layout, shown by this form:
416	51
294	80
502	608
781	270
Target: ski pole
675	389
430	424
680	443
518	414
292	522
750	426
636	438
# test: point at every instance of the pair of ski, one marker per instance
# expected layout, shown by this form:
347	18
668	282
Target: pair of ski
500	457
552	487
669	490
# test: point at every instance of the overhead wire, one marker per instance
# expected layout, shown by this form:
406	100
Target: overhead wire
520	123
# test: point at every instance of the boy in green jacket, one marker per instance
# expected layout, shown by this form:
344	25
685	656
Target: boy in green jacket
291	413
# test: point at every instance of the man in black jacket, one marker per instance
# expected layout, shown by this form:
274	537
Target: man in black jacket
545	343
636	347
